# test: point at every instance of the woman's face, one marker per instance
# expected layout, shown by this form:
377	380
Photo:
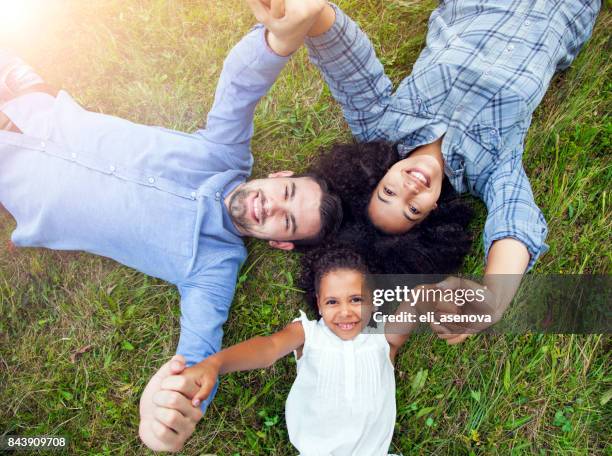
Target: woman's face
407	193
342	306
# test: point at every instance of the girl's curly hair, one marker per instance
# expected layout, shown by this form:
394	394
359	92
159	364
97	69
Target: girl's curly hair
322	260
435	246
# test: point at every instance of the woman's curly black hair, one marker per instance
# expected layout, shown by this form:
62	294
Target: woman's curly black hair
323	259
435	246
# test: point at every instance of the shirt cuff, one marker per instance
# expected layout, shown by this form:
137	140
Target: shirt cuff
534	242
32	113
269	53
324	44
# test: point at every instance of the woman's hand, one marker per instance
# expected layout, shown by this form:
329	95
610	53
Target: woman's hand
287	21
482	302
205	375
506	264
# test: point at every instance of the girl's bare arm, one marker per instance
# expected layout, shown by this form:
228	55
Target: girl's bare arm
256	353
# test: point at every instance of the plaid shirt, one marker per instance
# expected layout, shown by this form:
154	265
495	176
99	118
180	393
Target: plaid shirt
484	70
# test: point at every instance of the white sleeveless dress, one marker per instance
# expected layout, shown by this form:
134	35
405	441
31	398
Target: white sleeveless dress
342	402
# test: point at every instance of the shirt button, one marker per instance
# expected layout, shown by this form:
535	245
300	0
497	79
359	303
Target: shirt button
73	155
112	168
193	195
493	131
510	48
43	144
459	108
419	101
527	23
217	196
151	180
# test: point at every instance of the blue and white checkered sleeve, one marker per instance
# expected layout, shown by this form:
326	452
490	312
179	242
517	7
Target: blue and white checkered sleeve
355	76
512	212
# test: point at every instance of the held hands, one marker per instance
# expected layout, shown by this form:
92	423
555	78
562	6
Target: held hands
167	418
204	375
507	262
479	301
287	21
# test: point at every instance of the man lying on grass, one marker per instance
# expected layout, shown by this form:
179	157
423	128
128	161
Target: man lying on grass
169	204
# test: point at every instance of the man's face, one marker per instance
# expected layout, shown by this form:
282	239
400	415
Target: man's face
279	208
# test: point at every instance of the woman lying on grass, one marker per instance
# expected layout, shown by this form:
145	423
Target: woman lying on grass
457	122
342	401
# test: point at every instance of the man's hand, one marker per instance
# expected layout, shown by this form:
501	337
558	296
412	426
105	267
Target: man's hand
167	418
287	21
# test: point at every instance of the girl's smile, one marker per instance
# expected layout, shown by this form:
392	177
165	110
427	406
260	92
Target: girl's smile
341	303
346	326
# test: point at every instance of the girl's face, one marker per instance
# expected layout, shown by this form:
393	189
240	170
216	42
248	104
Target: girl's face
342	306
407	193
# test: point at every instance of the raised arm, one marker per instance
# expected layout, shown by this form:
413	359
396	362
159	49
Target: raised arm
355	76
248	72
253	65
256	353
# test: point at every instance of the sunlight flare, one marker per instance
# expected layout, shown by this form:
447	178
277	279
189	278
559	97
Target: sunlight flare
17	16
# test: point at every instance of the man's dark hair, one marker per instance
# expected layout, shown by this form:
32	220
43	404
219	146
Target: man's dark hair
326	258
330	212
437	245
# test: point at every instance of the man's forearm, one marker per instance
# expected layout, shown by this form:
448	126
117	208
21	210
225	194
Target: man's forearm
248	72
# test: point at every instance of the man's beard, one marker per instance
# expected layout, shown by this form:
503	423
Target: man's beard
238	209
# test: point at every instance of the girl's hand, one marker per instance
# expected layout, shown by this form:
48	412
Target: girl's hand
205	375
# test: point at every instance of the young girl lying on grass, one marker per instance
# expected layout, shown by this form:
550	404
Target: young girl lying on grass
343	399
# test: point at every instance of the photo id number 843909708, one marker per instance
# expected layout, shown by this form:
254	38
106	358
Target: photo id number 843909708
38	442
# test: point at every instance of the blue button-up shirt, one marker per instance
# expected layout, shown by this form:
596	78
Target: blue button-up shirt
482	73
147	197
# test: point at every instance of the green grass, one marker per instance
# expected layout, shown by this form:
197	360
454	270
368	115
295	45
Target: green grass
157	62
